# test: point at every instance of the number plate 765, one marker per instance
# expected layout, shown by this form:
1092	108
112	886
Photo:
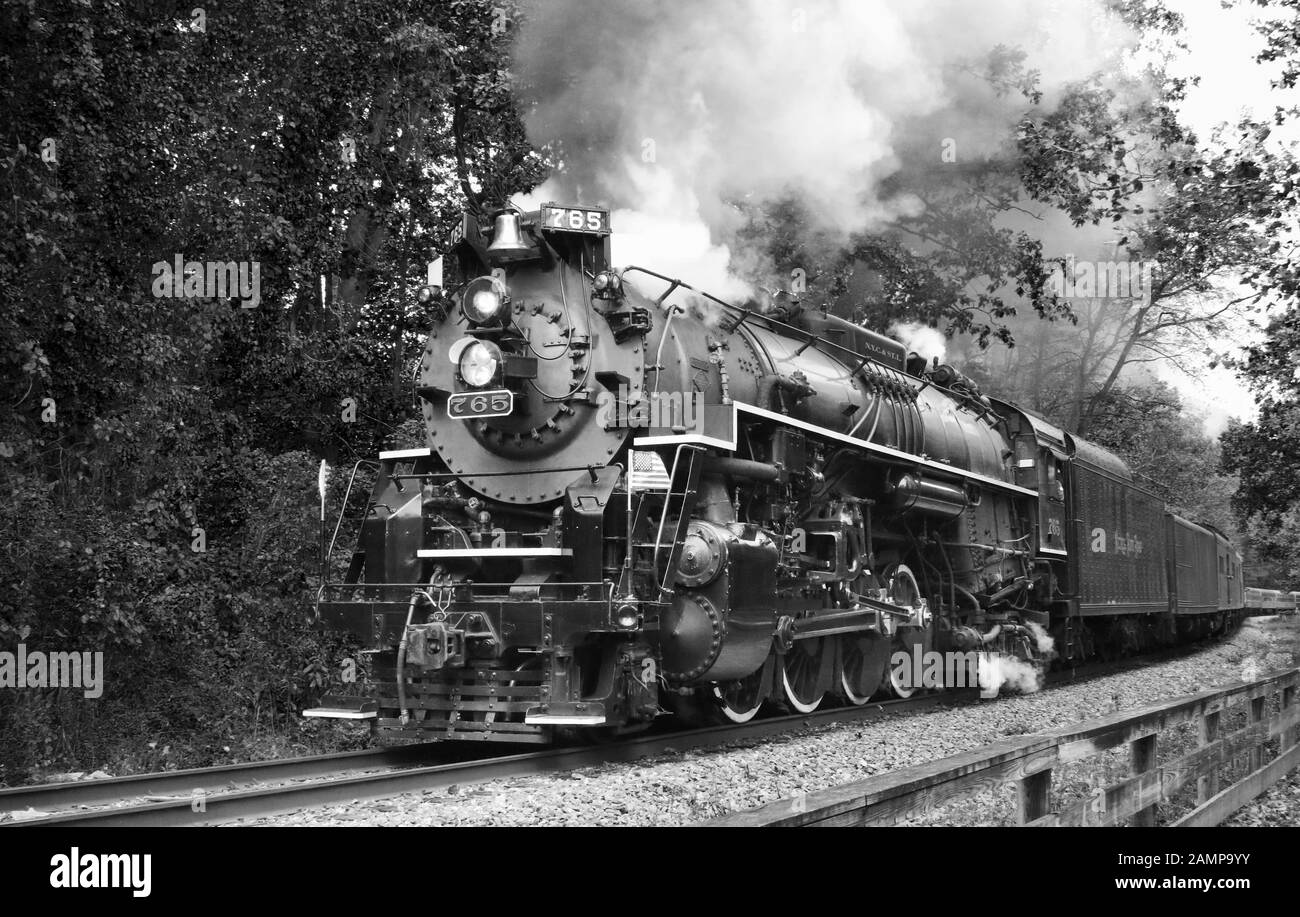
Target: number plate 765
466	405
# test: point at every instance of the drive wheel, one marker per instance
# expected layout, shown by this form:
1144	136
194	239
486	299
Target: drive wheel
896	686
861	668
800	667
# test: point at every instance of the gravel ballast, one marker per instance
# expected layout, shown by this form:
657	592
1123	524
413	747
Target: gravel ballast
679	789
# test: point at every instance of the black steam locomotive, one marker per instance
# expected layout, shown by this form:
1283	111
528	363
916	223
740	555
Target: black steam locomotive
629	506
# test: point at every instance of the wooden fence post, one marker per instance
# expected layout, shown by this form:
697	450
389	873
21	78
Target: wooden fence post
1257	708
1208	786
1143	756
1035	791
1289	736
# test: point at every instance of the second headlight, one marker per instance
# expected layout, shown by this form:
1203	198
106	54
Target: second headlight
483	301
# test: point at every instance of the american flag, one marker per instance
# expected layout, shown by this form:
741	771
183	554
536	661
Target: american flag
648	472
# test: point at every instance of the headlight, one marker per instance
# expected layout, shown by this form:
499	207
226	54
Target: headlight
479	363
483	300
484	306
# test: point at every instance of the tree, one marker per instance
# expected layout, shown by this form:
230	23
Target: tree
1165	448
158	457
1262	175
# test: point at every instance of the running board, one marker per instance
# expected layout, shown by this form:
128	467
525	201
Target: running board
335	707
566	714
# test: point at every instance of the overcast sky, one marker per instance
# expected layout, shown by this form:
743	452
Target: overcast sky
1221	49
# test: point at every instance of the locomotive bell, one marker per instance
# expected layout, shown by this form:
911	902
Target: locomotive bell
508	242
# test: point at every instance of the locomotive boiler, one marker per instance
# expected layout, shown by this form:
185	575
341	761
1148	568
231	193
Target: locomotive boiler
636	499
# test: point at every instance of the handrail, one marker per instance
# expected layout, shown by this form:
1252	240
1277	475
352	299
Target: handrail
465	585
344	508
745	314
683	513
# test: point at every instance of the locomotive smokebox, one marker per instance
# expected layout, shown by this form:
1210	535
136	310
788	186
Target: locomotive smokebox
541	359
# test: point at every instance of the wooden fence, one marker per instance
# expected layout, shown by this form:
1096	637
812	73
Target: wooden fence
1030	760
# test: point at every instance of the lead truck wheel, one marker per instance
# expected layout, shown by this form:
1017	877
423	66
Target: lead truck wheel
739	701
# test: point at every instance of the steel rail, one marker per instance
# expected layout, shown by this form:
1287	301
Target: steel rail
226	806
271	800
110	790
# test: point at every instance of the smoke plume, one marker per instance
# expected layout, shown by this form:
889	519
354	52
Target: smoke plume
679	115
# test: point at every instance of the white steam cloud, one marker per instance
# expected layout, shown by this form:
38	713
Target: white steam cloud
671	113
925	341
1045	643
998	672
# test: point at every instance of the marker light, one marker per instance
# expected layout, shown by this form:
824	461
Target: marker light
627	616
479	363
607	282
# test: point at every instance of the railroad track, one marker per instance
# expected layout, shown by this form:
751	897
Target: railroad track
296	786
222	794
208	781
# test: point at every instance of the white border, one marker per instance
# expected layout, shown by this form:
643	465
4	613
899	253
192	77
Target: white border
332	713
405	454
697	439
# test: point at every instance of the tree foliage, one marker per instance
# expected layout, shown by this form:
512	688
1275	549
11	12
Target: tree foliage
329	143
1261	174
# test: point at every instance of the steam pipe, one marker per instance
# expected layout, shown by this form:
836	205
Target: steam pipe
872	410
741	468
775	380
904	423
917	429
401	658
961	590
401	650
1006	552
1006	592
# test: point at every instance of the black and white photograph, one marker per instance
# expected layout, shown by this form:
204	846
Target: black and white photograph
451	414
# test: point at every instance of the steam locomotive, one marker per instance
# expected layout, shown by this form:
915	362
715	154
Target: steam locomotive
632	505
